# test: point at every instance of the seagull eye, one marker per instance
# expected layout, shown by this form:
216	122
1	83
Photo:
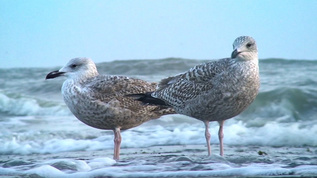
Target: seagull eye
249	45
73	66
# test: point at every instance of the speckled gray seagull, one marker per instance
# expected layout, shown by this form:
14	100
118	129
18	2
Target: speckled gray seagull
100	102
214	91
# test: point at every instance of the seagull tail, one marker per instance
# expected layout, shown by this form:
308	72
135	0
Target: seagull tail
147	98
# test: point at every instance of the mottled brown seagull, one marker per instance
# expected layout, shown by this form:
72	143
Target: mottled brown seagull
100	101
214	91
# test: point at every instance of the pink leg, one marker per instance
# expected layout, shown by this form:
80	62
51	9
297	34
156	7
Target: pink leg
117	143
207	135
220	136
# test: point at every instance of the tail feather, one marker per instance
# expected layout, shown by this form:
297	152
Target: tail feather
146	98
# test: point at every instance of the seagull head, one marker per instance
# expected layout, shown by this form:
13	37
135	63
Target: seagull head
244	48
77	68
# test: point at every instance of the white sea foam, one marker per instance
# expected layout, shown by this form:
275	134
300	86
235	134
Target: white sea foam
46	171
161	170
30	106
98	163
165	131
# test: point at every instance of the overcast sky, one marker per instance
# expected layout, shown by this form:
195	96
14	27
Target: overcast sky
44	33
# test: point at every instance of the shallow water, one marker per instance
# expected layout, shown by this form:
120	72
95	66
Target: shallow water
167	161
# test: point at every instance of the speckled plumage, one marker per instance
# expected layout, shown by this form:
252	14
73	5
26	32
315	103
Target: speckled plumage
100	101
214	91
224	88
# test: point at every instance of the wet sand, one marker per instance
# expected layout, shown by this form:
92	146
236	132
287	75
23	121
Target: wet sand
167	161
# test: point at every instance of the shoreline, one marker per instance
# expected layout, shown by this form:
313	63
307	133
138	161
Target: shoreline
168	161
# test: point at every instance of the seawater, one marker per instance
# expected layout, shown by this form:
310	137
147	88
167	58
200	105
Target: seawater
35	121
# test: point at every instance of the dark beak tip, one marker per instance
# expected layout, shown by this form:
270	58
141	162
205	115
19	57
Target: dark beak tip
48	77
234	54
53	74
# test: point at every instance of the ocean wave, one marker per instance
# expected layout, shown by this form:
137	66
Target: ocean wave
20	105
190	132
176	65
285	104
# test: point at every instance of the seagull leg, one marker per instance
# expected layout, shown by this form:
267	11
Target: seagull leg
207	135
117	143
220	136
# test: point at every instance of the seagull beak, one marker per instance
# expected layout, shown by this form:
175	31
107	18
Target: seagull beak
235	53
54	74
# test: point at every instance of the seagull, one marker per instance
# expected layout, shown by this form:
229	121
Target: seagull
213	91
100	102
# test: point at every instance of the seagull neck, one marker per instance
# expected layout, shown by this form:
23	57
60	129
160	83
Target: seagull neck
84	78
252	57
